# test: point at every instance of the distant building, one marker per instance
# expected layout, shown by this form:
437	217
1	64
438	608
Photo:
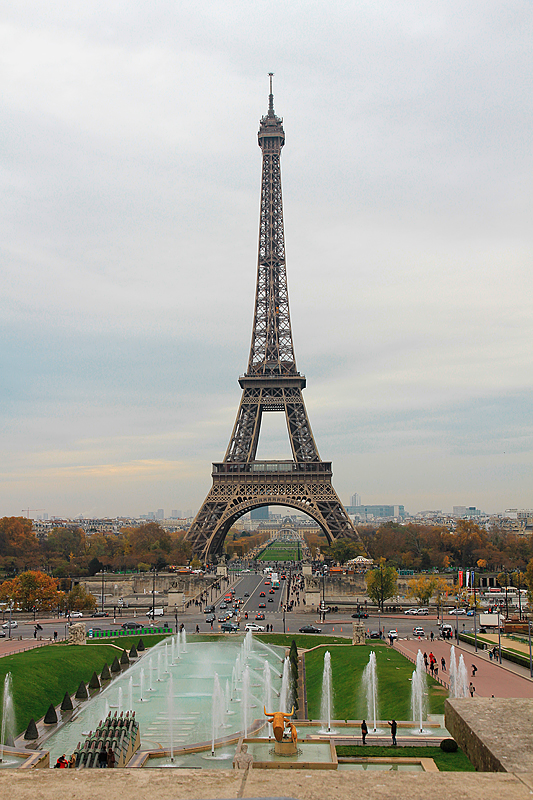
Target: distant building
355	499
466	512
376	512
259	513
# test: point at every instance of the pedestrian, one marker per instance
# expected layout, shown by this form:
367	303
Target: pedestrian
197	629
436	671
443	664
393	728
72	762
35	633
431	636
55	636
102	757
471	689
426	661
364	731
474	670
491	656
110	758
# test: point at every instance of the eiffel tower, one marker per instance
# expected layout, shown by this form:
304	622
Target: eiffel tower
271	383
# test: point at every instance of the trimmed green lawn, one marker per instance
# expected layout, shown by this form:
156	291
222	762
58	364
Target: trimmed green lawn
394	672
303	640
127	642
446	762
281	552
43	675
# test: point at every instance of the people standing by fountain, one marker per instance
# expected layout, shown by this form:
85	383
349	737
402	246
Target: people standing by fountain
393	728
364	731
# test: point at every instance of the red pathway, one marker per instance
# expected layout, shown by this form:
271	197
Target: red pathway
491	679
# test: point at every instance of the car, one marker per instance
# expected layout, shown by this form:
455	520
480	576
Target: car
411	611
223	606
3	634
283	577
75	614
418	632
210	618
375	635
360	615
209	610
259	616
454	611
132	626
262	594
423	611
267	583
98	614
13	624
253	627
310	629
247	594
470	613
272	591
270	599
229	627
392	634
223	618
262	605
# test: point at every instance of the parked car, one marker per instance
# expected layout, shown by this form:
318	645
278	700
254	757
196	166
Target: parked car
411	611
392	634
3	634
75	613
253	627
99	614
423	611
131	626
375	635
310	629
14	624
360	615
418	632
454	611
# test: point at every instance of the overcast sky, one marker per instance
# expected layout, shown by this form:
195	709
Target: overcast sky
130	178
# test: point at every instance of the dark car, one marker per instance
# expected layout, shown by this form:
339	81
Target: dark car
375	635
360	615
272	591
262	605
262	594
229	627
210	618
246	594
310	629
259	616
131	626
223	606
270	599
100	614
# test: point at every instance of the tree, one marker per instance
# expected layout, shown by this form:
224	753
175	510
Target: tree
528	579
422	589
31	590
381	583
79	598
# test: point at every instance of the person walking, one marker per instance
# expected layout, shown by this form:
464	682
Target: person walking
443	664
393	728
364	730
471	689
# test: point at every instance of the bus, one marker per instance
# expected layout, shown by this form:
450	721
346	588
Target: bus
274	577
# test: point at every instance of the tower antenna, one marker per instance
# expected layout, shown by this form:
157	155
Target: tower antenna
271	96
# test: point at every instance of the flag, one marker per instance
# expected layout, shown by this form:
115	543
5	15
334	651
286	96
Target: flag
460	578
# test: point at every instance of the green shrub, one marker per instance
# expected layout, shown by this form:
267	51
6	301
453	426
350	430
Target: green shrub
449	746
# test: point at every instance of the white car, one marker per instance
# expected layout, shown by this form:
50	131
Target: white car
76	614
454	611
253	627
14	624
423	611
411	611
392	634
418	632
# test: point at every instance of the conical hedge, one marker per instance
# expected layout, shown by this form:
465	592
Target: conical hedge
50	718
115	666
94	683
133	652
105	675
31	730
66	705
140	646
82	694
124	660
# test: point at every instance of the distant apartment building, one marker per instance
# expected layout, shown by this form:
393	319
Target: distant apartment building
355	499
466	512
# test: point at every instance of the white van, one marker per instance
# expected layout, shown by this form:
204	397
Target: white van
158	612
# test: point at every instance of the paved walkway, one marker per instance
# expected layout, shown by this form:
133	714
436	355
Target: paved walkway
491	679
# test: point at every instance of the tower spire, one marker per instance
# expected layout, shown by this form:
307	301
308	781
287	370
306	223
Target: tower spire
270	97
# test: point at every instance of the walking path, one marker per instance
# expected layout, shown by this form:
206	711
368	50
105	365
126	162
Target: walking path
491	679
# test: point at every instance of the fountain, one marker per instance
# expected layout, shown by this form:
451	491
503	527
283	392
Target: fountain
419	692
183	640
171	717
141	696
370	684
461	682
452	671
8	717
120	701
285	694
246	698
327	698
130	694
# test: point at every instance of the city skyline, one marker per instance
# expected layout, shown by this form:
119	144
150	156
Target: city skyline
131	182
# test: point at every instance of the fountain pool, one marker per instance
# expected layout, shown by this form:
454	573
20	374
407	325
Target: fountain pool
186	718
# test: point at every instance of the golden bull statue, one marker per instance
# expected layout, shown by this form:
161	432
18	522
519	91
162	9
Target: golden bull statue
280	720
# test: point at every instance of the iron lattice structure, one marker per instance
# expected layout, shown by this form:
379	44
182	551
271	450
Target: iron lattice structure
271	383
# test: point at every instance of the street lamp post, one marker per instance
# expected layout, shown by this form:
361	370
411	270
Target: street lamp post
153	596
475	626
499	640
506	600
103	575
